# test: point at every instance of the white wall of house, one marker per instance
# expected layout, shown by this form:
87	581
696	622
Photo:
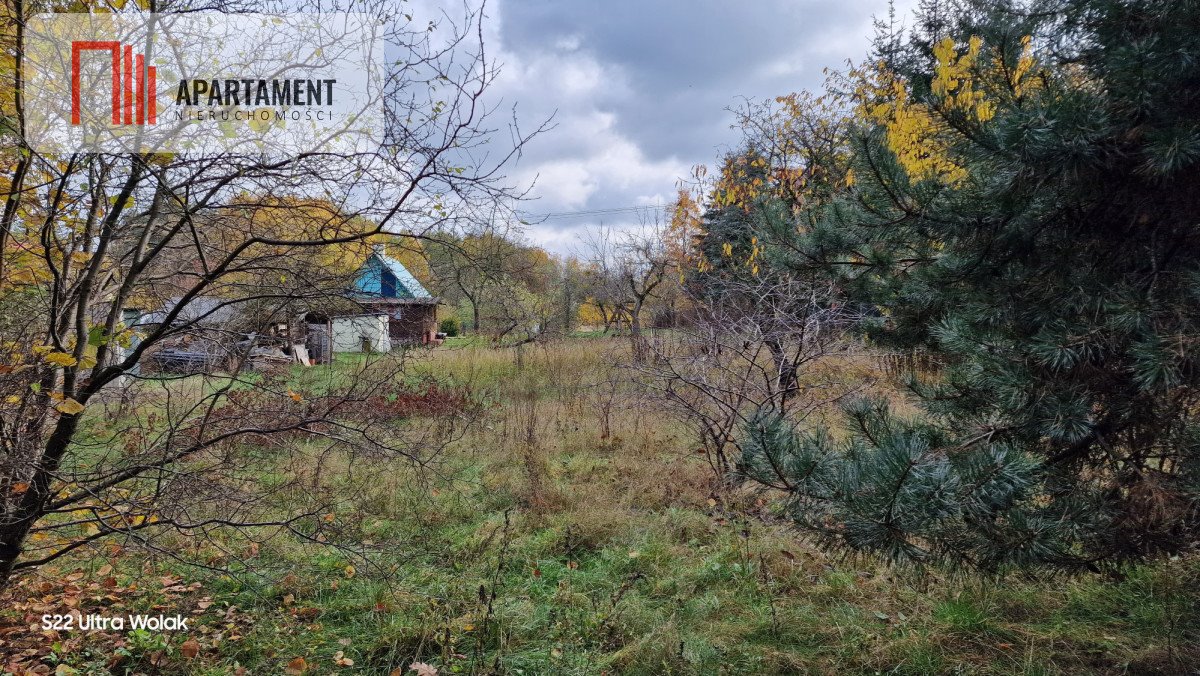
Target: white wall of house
349	333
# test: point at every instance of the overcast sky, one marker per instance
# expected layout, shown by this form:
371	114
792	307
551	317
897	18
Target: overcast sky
639	89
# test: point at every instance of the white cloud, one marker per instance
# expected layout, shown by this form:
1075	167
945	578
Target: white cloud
585	156
603	159
568	43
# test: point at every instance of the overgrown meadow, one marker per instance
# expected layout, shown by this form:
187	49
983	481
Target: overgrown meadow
571	527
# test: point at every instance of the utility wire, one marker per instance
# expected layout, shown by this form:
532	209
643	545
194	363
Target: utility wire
592	212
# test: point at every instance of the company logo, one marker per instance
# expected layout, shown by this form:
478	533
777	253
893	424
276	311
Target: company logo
130	76
205	83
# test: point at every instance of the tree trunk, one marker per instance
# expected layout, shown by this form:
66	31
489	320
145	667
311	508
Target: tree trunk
635	333
30	505
786	379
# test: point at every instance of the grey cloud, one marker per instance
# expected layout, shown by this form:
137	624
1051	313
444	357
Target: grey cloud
640	89
688	61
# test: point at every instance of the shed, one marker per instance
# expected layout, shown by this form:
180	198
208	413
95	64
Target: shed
361	333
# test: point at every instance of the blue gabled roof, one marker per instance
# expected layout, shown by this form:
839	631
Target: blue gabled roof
371	278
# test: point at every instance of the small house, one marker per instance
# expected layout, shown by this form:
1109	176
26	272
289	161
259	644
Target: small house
388	293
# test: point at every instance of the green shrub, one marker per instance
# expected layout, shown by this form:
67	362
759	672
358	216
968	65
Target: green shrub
449	326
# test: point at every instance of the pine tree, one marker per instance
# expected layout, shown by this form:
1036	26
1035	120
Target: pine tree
1025	206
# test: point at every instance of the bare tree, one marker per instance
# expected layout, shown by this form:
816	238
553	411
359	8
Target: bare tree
474	268
200	239
629	269
743	352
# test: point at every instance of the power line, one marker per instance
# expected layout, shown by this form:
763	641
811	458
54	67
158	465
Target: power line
634	209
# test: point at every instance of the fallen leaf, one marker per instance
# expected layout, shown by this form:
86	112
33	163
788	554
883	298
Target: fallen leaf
190	648
349	571
20	487
296	666
423	669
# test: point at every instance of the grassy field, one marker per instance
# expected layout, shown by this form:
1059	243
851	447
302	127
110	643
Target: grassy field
574	530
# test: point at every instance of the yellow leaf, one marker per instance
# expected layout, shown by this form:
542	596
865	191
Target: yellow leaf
61	359
69	406
349	571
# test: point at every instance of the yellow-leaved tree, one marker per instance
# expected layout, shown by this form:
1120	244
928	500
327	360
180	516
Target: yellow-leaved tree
111	263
